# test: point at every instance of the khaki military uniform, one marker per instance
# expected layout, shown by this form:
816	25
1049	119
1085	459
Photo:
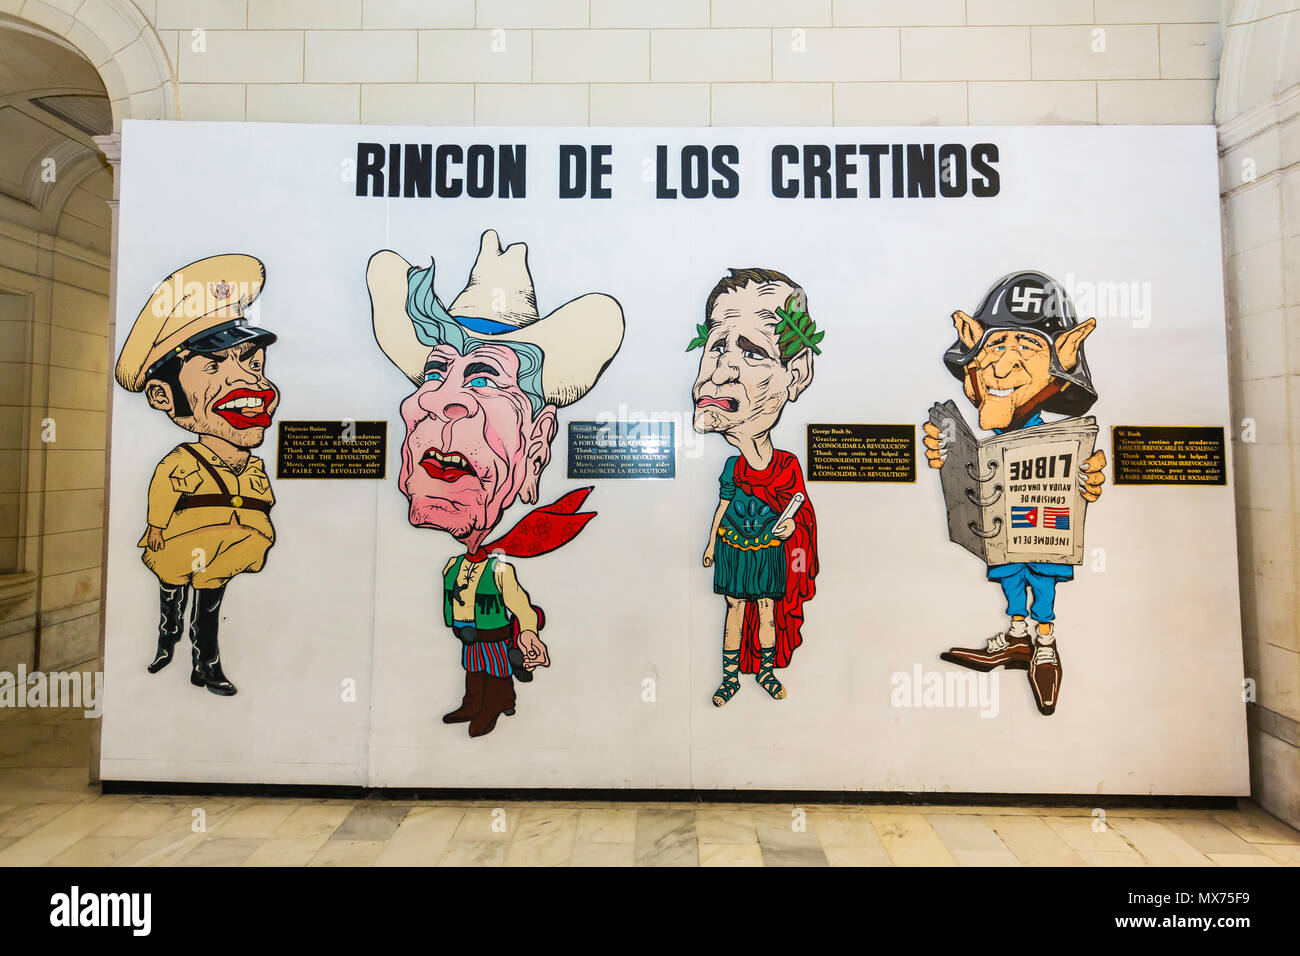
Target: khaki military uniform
215	522
202	504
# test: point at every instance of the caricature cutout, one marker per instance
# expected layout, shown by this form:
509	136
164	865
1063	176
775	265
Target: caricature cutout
490	375
195	357
1019	356
759	344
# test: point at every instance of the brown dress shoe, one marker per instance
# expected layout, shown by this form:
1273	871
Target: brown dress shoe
1007	650
498	699
473	702
1045	677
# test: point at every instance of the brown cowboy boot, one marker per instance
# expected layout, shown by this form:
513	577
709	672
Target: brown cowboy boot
1045	673
1011	650
498	699
473	702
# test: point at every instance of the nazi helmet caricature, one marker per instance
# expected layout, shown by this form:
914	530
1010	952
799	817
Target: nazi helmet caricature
1035	303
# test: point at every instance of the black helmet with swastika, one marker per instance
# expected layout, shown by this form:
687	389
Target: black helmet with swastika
1037	303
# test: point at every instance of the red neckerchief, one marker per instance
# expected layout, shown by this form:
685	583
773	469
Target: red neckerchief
541	530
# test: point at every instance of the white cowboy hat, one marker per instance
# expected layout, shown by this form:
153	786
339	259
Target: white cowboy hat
578	340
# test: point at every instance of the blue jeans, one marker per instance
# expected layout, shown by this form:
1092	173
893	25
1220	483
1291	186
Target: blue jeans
1039	579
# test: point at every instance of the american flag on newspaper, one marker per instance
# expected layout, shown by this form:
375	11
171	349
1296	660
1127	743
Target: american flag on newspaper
1056	518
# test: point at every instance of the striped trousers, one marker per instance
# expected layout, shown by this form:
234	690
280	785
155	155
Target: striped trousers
487	656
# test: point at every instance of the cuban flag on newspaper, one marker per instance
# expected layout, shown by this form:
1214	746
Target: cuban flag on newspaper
1057	518
1024	517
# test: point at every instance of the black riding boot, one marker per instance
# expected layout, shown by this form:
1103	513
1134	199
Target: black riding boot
207	656
171	623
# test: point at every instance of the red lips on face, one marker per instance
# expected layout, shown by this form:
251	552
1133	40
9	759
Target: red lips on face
446	466
726	404
245	407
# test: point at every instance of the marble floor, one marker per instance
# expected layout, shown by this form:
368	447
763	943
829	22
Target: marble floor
49	815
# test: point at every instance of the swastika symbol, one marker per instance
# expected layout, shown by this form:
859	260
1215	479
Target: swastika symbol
1027	299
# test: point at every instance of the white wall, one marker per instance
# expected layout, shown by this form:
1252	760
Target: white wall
350	590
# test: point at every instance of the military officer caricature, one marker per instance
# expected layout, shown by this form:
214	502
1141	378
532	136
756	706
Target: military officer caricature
194	356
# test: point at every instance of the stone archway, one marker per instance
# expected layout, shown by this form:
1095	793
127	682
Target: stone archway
122	46
54	278
127	55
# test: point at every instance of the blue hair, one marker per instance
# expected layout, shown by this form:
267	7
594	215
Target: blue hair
434	325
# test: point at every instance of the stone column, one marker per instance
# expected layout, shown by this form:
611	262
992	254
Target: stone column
1258	114
111	146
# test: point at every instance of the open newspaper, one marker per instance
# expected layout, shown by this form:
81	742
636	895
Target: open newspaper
1015	497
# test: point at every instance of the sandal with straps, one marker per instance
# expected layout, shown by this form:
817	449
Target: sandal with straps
730	678
766	678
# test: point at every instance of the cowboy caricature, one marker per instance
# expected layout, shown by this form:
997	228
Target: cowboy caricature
1019	356
490	375
759	344
194	356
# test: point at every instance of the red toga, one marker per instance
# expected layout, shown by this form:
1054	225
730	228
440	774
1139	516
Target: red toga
775	486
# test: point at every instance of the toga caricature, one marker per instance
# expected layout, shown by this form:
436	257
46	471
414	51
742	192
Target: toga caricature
759	343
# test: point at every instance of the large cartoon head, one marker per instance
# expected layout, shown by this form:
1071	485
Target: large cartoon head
224	393
478	436
1022	352
759	344
489	376
195	356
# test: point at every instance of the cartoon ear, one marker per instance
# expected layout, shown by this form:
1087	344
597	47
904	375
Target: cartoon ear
538	455
969	331
1068	343
159	396
801	373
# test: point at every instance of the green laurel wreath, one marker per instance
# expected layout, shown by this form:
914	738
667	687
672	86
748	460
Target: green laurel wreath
794	332
701	334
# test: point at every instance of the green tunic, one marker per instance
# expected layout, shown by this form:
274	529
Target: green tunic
747	561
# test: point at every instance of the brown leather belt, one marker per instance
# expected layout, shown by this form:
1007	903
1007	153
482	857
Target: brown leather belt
223	501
